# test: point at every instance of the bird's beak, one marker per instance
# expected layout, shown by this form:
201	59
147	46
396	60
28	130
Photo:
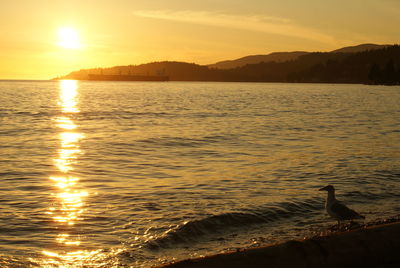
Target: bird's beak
322	189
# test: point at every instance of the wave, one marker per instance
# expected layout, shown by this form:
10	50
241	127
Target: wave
100	115
10	112
193	230
183	142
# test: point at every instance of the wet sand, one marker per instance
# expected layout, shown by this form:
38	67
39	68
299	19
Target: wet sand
372	245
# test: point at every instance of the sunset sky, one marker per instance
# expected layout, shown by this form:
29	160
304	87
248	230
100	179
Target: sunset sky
41	39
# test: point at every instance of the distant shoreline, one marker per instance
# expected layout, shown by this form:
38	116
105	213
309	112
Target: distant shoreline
378	66
187	81
25	80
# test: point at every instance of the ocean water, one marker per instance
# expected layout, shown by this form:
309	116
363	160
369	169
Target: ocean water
131	174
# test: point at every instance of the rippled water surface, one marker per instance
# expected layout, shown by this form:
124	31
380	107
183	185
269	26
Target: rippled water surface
136	174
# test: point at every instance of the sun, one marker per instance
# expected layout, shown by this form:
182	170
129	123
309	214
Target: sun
68	38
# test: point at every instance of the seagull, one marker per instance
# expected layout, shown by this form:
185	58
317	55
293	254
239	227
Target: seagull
337	209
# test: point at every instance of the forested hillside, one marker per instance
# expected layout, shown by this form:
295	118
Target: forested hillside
378	66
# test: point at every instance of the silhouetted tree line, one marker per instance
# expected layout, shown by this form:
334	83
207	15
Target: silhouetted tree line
176	71
388	74
380	66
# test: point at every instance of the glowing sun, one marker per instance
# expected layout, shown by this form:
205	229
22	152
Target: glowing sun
68	38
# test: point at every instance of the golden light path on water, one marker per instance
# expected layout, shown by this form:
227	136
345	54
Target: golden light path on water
69	205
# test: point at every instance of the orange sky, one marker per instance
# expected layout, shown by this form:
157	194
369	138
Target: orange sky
122	32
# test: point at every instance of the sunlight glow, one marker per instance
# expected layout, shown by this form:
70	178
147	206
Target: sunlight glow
62	239
70	196
69	139
71	206
68	96
71	259
68	38
65	123
78	258
64	182
66	159
68	206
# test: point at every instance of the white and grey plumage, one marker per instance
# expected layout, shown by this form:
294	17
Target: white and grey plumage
336	209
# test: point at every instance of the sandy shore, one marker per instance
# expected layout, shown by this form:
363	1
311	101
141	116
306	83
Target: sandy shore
368	246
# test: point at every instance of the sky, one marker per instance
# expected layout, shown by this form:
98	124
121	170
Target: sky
43	39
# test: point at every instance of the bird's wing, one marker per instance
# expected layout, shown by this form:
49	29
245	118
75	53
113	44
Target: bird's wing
344	212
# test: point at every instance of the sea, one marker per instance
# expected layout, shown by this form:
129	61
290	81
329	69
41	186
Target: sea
137	174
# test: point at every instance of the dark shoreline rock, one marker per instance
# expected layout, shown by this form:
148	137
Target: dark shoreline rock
364	246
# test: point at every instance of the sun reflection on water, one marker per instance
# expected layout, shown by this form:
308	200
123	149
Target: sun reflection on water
68	96
69	205
65	123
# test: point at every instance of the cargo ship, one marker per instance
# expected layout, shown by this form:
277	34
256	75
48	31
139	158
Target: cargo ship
111	77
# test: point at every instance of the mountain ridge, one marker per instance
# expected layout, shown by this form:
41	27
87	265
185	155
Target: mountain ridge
359	48
252	59
286	56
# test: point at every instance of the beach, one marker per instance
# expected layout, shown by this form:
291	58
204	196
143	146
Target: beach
368	246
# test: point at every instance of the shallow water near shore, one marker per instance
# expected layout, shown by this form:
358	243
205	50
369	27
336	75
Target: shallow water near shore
130	173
